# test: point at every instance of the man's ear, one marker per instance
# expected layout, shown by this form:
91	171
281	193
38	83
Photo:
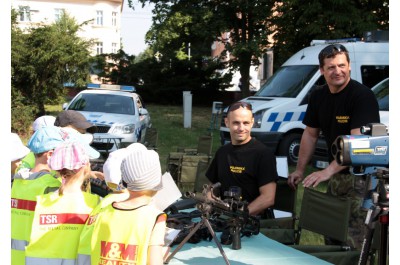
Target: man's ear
226	122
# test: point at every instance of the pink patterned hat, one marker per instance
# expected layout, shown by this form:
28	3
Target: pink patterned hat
69	155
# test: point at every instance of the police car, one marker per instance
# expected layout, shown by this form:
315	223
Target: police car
118	112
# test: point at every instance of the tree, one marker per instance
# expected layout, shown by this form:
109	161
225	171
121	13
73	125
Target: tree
298	22
292	24
47	57
178	23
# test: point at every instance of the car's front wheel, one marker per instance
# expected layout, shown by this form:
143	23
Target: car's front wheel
289	147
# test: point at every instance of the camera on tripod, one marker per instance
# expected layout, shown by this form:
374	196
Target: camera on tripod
368	154
369	149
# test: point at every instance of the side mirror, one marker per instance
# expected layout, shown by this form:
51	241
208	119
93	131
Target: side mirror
64	106
143	111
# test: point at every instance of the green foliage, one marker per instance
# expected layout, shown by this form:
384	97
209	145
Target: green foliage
43	59
178	24
22	114
300	22
293	24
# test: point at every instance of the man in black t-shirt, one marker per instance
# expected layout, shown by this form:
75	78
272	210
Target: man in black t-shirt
245	162
340	107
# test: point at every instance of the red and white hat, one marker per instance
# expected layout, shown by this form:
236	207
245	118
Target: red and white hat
69	155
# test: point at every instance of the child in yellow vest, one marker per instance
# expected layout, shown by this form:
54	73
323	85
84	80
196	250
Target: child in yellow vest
60	215
132	231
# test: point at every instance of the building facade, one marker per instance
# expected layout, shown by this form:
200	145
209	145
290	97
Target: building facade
100	20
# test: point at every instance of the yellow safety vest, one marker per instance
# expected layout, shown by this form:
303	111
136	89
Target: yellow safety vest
56	227
23	202
84	250
122	236
28	161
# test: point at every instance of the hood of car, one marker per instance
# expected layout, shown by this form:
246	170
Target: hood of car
108	119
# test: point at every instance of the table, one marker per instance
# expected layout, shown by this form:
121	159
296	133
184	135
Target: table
256	250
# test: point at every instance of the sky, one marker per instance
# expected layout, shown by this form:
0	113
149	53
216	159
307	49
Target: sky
134	25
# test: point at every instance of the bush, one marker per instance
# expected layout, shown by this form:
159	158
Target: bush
22	114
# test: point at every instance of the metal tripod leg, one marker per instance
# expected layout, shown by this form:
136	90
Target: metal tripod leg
374	219
210	229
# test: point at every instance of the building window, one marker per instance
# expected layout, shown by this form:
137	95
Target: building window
99	48
24	13
58	12
114	47
114	19
99	17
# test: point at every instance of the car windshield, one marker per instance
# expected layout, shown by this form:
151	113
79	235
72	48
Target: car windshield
288	81
103	103
382	95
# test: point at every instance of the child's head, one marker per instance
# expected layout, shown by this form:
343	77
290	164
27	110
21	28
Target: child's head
43	121
141	170
17	152
45	139
112	166
71	161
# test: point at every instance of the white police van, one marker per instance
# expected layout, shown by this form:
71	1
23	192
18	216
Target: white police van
280	104
118	112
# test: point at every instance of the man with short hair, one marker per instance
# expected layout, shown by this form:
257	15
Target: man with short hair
340	107
245	162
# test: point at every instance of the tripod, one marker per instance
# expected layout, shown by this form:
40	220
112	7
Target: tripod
379	212
204	221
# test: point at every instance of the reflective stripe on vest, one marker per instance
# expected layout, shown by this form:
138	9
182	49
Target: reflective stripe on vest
18	244
42	261
22	204
83	259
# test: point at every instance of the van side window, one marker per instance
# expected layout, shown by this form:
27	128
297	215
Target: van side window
319	83
373	74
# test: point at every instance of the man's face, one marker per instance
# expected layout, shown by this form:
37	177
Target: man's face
239	122
336	71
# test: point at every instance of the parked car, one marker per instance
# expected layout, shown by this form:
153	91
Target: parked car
118	112
381	91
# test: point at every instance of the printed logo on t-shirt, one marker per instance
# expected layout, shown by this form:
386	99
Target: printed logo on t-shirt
118	253
342	119
235	169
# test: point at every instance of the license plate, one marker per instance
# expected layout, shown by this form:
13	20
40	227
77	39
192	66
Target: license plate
321	164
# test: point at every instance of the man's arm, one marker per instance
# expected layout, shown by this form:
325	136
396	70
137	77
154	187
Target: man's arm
307	146
264	200
323	175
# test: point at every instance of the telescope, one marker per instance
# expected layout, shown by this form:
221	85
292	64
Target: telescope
367	154
369	149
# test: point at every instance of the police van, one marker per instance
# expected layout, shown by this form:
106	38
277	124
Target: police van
280	104
117	111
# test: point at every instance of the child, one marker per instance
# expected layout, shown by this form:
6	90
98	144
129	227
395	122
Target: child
132	231
61	215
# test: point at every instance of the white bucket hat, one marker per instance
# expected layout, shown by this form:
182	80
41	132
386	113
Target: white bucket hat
112	166
18	149
43	121
141	169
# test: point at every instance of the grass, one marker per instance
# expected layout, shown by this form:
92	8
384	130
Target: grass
168	120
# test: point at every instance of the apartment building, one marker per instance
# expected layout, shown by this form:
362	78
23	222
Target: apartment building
103	17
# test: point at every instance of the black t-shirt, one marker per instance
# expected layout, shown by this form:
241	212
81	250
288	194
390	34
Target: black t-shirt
248	166
337	114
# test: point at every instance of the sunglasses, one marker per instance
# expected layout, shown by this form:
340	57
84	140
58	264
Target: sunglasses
332	50
239	104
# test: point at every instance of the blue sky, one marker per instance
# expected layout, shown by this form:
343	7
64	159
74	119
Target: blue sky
134	25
